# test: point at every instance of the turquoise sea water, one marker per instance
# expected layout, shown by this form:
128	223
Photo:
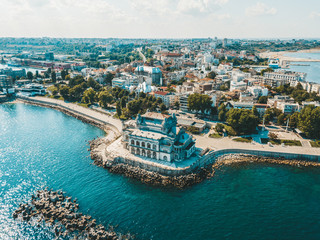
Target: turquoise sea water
42	147
313	68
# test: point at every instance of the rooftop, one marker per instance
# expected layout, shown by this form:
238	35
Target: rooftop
155	115
147	134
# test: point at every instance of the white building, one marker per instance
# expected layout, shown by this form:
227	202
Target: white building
258	91
156	136
167	98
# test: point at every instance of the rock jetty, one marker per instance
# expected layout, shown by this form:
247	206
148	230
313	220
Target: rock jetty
60	211
157	179
233	159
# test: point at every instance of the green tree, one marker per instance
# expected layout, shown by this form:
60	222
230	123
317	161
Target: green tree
119	110
281	119
123	102
76	92
222	112
211	75
266	70
162	107
242	120
108	78
263	99
255	111
105	99
64	91
309	121
294	120
219	127
64	73
30	75
89	96
53	76
199	102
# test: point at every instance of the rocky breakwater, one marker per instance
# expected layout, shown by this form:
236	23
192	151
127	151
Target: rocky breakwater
60	211
157	179
97	152
233	159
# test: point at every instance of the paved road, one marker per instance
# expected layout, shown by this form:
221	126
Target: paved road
142	55
228	143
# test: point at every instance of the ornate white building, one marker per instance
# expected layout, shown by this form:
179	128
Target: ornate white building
157	136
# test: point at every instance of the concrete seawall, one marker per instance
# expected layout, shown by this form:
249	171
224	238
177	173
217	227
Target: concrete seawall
210	158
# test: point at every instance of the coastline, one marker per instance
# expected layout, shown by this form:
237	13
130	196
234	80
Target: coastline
203	169
282	57
188	179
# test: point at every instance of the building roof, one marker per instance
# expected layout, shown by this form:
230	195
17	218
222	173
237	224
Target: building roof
155	115
147	134
163	93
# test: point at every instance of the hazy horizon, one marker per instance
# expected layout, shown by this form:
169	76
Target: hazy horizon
160	19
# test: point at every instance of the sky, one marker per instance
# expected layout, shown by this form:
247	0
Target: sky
160	18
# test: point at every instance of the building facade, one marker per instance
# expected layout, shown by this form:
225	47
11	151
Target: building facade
153	72
156	136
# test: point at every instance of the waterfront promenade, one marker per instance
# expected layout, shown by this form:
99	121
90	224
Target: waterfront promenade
228	143
115	150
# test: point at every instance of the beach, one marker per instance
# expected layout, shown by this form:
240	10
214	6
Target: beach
282	55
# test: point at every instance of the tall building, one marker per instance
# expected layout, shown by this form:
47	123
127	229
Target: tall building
156	136
6	84
49	56
153	72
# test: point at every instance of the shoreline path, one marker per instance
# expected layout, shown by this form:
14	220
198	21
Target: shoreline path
201	141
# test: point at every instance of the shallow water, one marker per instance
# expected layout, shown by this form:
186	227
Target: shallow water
43	147
312	69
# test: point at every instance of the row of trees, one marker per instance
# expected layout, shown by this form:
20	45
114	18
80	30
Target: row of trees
308	121
128	104
297	93
199	102
47	74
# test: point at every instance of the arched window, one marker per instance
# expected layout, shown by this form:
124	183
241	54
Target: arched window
138	151
165	158
132	142
138	143
143	152
154	155
148	145
149	154
143	144
154	146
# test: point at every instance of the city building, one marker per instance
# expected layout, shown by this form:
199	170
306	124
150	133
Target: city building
153	72
167	98
156	136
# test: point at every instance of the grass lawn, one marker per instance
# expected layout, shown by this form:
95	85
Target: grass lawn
286	142
241	139
83	105
215	135
315	144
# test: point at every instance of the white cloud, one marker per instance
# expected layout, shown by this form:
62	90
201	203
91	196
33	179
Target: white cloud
260	9
177	8
314	14
154	7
